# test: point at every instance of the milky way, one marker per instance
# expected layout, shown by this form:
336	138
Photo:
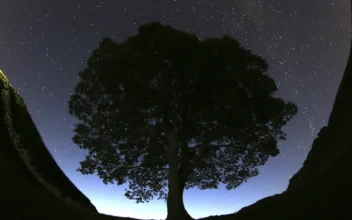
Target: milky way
44	44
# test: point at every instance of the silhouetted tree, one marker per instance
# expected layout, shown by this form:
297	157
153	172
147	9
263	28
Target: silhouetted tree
165	111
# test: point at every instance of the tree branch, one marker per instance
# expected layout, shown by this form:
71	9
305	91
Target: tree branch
198	156
172	149
195	161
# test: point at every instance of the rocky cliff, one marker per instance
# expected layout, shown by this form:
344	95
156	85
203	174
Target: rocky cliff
32	186
333	139
25	163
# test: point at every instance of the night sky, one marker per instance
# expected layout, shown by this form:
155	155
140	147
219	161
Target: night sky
44	44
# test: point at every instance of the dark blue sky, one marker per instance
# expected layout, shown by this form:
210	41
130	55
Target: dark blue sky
44	44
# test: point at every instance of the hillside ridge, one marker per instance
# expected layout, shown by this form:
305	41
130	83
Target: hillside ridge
20	133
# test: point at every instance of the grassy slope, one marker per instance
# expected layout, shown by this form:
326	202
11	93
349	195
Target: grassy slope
22	196
25	137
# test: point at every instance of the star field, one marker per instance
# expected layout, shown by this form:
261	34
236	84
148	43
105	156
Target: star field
44	44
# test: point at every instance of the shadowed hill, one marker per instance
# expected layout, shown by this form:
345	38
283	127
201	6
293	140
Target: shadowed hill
21	135
32	185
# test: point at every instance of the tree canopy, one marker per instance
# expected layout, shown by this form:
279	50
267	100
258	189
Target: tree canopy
212	96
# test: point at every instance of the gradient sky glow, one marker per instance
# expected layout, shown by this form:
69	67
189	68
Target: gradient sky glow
45	43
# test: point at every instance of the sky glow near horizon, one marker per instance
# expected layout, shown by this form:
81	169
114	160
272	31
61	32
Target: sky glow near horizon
44	44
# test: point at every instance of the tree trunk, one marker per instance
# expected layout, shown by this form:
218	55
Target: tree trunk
175	207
